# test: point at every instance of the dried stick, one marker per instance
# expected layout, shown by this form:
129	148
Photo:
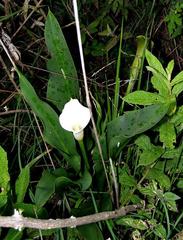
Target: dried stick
17	221
87	90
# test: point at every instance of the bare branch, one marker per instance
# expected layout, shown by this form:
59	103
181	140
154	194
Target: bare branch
17	221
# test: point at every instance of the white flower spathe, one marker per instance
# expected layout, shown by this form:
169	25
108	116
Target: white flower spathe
74	118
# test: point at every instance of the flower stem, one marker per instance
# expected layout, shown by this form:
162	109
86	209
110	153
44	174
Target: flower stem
82	147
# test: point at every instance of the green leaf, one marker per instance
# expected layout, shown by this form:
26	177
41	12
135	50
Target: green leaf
134	223
177	79
150	153
137	64
170	200
53	133
143	98
14	235
31	210
90	232
45	188
35	234
63	82
22	184
180	183
177	118
99	176
147	191
177	89
62	182
125	179
160	231
131	123
169	69
149	157
85	181
143	142
155	63
171	205
159	82
172	153
160	177
167	134
4	177
169	196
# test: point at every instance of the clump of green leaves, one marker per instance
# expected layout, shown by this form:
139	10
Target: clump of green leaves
148	169
174	19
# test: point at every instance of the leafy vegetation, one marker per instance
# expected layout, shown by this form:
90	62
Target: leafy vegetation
136	93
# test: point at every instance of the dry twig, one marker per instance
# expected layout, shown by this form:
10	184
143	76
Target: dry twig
17	221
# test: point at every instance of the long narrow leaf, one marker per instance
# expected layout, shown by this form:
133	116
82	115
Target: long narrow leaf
63	81
53	133
4	177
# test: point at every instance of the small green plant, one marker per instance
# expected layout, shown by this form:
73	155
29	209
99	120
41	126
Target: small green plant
136	157
174	19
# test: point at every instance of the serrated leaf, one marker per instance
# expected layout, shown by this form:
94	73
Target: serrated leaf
171	205
160	231
63	82
167	134
147	157
160	82
4	177
22	184
144	98
155	63
134	223
160	177
53	133
147	191
125	179
150	153
143	142
177	89
177	79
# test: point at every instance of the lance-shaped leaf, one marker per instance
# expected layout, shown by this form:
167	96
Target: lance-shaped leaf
63	82
4	177
22	184
53	133
155	63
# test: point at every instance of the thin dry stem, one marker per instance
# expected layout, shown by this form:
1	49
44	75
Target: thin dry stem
36	7
19	222
86	88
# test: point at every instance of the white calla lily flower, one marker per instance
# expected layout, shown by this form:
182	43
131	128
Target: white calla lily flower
74	118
